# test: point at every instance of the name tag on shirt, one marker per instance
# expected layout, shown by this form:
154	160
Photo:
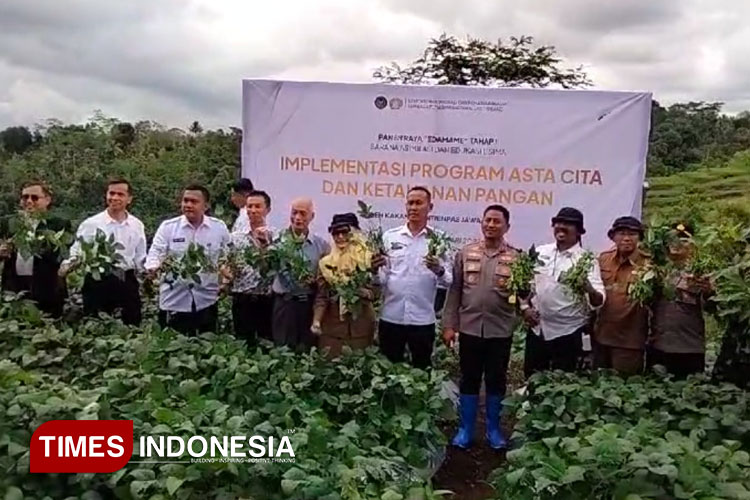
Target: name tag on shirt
178	240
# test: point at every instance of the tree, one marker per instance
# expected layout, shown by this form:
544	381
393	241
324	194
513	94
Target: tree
16	140
123	134
448	60
687	134
195	128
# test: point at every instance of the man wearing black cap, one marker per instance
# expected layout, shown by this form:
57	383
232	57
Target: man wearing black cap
558	320
622	324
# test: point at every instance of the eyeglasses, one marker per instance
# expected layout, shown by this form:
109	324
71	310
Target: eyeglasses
32	197
341	232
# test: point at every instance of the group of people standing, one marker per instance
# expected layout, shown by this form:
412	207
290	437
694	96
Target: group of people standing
478	313
624	334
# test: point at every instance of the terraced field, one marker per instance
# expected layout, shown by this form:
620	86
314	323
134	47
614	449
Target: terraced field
730	183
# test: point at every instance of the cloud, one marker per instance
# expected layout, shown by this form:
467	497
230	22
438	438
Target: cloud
175	61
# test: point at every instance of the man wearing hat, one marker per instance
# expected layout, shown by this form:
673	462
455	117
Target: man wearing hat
558	320
622	324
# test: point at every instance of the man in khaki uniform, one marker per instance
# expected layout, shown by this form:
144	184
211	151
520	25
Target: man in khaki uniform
478	309
622	324
678	330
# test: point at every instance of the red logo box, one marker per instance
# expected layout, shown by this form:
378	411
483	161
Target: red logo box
81	446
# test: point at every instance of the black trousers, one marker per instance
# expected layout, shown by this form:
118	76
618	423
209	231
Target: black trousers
440	297
481	356
678	364
292	319
191	323
23	284
251	316
111	293
394	339
562	353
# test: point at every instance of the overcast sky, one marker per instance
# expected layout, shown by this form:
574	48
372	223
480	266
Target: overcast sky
175	61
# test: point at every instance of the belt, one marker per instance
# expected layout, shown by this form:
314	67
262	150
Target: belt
295	297
253	295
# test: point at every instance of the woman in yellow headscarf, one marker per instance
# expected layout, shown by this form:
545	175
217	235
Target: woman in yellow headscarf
343	313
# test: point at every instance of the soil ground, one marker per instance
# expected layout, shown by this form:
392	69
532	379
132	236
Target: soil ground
465	472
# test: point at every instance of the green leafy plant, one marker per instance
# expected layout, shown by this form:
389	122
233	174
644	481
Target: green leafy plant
31	241
348	288
659	237
575	278
99	256
600	436
187	267
374	234
522	272
438	244
286	256
733	291
643	289
359	424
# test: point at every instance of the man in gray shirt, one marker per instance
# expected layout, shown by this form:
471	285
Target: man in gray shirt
293	302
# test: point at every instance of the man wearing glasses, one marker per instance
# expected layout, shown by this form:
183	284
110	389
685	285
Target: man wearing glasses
32	268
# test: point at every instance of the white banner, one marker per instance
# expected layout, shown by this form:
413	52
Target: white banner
533	151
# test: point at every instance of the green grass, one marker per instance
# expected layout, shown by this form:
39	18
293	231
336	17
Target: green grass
730	183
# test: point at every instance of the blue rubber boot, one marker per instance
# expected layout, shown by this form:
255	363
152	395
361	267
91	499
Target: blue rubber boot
468	413
494	434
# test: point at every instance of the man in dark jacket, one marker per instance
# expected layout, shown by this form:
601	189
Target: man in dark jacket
32	266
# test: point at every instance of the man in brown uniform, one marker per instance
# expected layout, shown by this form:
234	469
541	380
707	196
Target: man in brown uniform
678	330
622	325
477	306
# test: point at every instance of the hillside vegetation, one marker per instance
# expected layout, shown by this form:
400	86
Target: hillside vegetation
728	184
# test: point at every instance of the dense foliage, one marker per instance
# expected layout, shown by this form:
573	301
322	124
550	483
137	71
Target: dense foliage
77	160
448	60
685	136
599	436
361	427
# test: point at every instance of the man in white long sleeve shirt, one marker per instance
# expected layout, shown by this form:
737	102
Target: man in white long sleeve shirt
120	291
189	307
558	318
240	191
409	279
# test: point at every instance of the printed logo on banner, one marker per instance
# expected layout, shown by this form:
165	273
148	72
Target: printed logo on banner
81	446
381	102
397	103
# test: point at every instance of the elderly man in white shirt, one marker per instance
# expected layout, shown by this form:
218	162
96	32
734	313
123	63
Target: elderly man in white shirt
559	320
188	307
120	291
293	302
409	280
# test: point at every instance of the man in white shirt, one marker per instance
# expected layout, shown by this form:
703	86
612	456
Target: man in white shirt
293	302
558	318
240	191
119	291
188	307
409	280
252	302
